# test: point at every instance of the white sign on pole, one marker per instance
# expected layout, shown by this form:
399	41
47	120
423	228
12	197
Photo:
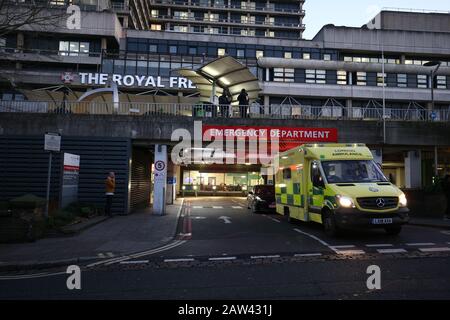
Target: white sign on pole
52	142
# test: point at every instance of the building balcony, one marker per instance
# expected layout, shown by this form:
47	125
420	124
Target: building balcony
226	22
271	9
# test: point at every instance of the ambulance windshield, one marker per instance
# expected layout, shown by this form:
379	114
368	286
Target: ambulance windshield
352	171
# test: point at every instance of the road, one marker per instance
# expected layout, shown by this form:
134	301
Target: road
225	252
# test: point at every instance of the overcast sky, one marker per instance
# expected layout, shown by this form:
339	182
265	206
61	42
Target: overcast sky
355	13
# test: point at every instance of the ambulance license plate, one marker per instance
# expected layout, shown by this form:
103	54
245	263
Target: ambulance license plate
382	221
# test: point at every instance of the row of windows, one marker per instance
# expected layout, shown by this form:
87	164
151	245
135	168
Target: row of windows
212	49
238	4
342	77
389	60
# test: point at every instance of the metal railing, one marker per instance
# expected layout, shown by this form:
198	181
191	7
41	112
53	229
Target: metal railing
143	109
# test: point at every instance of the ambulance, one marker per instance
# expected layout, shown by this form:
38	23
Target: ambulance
339	186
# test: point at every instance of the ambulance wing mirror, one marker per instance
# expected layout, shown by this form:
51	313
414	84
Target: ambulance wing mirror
318	181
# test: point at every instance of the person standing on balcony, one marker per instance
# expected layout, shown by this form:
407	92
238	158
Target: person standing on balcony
224	103
110	186
244	101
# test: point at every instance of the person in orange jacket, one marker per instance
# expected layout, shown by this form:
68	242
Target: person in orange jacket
110	186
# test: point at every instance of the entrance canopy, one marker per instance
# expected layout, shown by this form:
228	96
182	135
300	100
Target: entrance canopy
225	72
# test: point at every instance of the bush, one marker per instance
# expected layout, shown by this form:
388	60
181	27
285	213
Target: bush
84	210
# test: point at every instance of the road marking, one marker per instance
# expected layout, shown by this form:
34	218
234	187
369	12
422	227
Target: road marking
197	207
134	262
225	219
350	252
307	254
237	207
101	255
265	257
420	244
139	254
222	258
217	207
434	249
379	245
344	247
110	254
180	260
391	251
31	276
317	239
446	232
276	220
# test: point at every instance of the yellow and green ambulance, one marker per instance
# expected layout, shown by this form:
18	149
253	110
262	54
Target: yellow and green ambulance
339	186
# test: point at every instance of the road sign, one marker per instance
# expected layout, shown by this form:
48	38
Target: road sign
52	142
225	219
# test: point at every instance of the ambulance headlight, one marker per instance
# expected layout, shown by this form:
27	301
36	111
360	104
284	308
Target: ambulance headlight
402	200
345	202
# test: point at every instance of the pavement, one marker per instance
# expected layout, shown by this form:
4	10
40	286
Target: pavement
100	239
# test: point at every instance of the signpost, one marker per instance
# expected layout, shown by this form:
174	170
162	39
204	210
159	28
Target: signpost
70	176
52	143
160	185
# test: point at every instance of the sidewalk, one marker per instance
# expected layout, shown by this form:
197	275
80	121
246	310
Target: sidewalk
430	222
112	237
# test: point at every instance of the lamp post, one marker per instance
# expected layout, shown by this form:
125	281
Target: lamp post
437	65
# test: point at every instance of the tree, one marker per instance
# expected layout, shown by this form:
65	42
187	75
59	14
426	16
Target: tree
35	14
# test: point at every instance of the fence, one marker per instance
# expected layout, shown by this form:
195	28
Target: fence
211	111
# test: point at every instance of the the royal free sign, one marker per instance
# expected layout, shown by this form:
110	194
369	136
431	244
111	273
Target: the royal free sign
283	134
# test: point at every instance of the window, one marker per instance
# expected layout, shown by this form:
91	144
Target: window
182	15
180	28
422	81
154	13
212	30
361	79
327	57
315	76
240	53
287	173
2	42
441	82
193	51
259	54
270	21
155	27
73	48
342	77
221	52
402	80
283	74
214	17
250	32
307	56
173	49
288	55
348	59
381	79
270	34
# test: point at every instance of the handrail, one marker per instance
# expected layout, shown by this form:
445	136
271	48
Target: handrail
203	110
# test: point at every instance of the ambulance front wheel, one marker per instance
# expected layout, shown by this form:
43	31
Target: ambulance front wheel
329	224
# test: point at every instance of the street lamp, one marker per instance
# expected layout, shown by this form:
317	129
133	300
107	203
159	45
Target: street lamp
436	64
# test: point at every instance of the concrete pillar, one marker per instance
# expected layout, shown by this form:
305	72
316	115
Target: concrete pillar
20	46
104	44
266	105
413	169
349	106
160	180
402	59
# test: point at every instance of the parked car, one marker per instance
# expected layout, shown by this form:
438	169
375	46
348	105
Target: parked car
261	198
